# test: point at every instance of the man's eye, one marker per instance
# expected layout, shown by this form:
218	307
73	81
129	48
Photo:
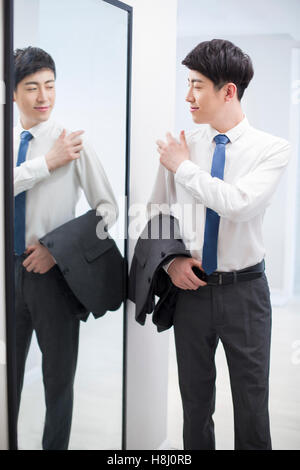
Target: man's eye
31	89
50	87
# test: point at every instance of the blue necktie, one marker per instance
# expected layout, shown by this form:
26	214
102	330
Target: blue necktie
20	199
210	245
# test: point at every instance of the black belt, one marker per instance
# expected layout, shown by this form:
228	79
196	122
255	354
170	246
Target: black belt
223	278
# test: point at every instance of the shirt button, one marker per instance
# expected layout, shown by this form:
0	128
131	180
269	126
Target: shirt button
163	254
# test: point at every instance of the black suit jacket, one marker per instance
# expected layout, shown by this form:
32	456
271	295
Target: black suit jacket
93	268
148	279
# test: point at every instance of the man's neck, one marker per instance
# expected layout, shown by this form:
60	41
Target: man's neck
223	125
26	124
29	124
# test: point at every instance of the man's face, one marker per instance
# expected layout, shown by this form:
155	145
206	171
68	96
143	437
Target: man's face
206	103
35	97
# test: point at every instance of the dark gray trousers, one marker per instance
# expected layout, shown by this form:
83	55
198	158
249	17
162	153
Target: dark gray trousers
44	303
240	316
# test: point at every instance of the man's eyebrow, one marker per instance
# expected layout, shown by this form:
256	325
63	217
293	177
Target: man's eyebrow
36	83
194	80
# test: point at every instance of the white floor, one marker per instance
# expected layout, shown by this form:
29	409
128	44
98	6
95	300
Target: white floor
284	387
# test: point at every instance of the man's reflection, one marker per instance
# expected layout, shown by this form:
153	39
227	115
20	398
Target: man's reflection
51	165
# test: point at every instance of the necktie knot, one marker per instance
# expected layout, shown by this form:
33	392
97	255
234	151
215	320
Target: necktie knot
26	136
221	139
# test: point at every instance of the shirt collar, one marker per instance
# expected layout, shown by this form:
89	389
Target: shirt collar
233	134
37	130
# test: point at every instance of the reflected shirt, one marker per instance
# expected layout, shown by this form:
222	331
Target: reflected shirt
254	163
51	197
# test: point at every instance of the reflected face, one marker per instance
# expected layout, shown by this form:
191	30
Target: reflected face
35	97
206	103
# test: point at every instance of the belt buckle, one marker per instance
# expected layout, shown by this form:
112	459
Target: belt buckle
220	279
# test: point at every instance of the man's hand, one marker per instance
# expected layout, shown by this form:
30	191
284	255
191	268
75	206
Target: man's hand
173	153
65	150
39	260
182	275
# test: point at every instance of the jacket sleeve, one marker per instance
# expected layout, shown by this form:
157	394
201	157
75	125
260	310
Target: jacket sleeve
147	278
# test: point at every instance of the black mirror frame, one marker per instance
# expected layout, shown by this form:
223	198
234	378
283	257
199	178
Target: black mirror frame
9	217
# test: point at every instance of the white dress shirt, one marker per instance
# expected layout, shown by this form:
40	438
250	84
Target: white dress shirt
51	197
254	163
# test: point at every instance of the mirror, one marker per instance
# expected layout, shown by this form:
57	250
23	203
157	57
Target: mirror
88	41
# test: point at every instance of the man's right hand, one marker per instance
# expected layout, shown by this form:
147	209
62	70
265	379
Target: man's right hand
65	149
182	275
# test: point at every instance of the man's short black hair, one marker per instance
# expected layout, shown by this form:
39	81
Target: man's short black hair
30	60
222	62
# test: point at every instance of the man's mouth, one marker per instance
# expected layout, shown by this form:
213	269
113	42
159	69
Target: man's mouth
193	109
42	109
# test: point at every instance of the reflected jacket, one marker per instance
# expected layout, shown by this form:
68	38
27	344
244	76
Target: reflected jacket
93	268
148	279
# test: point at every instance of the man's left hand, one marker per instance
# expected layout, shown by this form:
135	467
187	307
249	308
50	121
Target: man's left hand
39	259
173	153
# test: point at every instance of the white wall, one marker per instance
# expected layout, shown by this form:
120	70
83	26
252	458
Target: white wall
153	112
3	378
295	117
238	17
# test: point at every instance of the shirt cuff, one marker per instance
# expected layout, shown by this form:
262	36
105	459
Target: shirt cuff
185	170
167	265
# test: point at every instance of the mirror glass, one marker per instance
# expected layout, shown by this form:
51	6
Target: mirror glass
87	40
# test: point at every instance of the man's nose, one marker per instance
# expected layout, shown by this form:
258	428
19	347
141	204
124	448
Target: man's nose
189	97
42	96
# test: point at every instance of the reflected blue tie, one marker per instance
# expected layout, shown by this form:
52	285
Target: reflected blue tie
20	199
210	245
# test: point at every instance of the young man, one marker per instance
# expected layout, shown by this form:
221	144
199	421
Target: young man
51	166
221	177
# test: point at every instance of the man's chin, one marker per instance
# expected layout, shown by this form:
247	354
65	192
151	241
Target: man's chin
43	117
198	120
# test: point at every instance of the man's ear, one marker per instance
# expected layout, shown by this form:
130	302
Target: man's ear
230	91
